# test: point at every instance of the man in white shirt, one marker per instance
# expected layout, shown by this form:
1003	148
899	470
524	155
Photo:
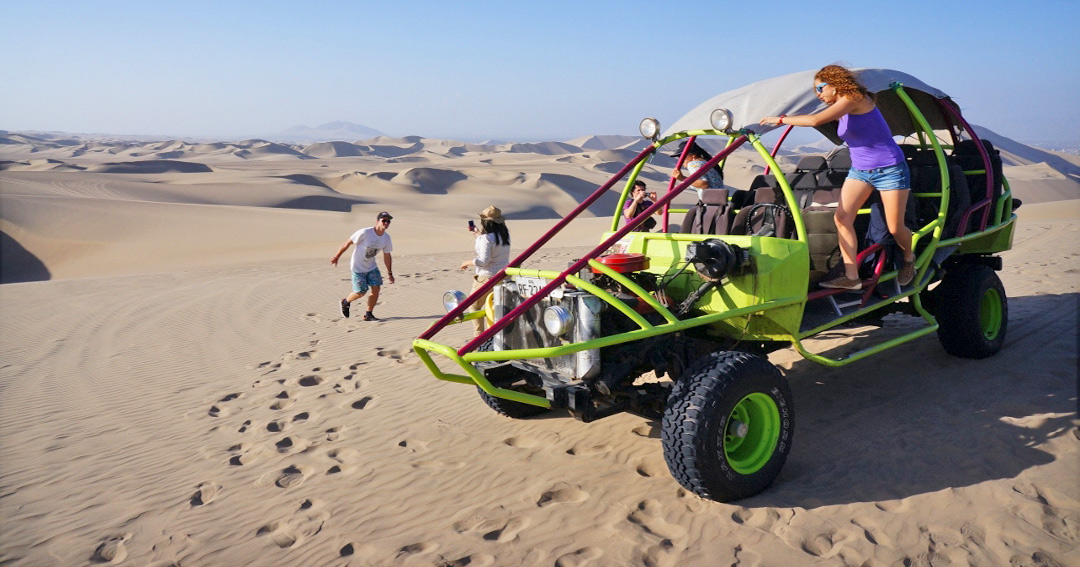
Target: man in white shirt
365	273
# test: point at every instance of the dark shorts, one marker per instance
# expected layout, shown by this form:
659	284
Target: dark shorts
889	178
362	280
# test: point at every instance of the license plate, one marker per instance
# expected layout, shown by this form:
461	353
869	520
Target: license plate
528	287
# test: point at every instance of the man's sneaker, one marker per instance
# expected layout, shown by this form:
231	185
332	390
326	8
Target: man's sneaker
345	308
906	273
369	317
843	282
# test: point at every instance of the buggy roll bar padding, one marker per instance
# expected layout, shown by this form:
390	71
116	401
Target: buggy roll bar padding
581	263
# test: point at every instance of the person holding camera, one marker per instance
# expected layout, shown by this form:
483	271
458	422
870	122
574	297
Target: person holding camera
492	255
639	201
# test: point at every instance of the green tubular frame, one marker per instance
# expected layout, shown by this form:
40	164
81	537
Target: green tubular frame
994	239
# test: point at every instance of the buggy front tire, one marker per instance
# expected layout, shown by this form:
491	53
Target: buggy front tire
972	311
510	408
728	425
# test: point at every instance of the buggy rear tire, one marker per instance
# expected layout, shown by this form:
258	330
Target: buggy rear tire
728	425
510	408
972	311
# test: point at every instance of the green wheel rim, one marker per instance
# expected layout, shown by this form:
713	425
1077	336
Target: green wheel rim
752	433
990	314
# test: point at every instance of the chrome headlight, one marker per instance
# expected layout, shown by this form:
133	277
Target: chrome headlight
649	128
721	119
452	298
557	320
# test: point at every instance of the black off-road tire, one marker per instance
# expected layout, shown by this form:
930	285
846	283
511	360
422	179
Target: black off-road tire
701	426
972	311
509	408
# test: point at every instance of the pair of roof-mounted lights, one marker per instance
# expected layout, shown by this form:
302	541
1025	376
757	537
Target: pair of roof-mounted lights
720	118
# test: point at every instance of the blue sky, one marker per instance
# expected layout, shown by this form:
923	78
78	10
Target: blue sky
511	70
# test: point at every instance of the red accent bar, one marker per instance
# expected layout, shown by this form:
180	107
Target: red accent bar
671	183
859	259
457	311
777	146
544	291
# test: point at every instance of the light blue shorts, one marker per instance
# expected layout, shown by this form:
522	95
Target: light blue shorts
361	280
889	178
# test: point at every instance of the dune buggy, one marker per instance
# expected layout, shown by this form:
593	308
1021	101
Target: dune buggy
676	325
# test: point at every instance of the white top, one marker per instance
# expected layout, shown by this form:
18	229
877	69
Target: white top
368	245
490	257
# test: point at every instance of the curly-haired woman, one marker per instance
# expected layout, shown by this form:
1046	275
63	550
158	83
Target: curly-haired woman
876	163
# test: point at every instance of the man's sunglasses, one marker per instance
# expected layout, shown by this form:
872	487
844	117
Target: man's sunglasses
820	87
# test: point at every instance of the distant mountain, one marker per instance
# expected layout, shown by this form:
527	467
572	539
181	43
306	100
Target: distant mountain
338	131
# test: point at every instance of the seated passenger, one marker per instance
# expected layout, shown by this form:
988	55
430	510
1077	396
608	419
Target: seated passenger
639	201
696	157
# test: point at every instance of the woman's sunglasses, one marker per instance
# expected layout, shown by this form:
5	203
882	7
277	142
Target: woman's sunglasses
820	87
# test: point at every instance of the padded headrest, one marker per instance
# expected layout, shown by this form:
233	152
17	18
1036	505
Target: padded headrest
763	181
764	195
968	148
714	196
840	160
811	163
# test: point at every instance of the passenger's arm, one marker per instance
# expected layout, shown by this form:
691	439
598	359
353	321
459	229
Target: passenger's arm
834	112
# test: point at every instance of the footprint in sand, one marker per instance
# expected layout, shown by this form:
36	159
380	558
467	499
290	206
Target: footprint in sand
282	400
391	354
244	454
649	517
422	548
498	530
414	445
562	493
344	458
649	468
205	493
335	433
313	380
291	445
219	411
278	425
280	533
112	550
580	558
292	476
586	449
362	403
820	545
478	560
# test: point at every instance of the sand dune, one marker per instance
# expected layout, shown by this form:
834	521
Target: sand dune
178	387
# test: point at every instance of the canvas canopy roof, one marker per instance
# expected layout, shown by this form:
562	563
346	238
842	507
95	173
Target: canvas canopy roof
794	94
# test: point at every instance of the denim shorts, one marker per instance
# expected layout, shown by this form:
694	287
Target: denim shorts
361	280
884	178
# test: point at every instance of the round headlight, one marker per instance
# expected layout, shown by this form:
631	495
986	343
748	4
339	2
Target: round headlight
557	320
452	298
649	128
721	119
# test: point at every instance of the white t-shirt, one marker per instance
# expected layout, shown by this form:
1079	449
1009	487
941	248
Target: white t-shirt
368	245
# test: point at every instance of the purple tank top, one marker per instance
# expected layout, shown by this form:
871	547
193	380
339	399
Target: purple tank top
870	140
